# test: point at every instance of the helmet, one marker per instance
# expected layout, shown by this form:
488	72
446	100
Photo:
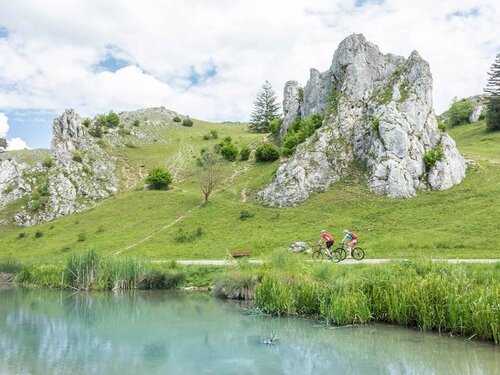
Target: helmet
323	231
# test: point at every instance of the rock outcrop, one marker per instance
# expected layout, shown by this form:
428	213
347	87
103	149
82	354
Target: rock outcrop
378	118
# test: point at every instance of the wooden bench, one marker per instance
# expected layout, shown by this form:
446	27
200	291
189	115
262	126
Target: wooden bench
240	253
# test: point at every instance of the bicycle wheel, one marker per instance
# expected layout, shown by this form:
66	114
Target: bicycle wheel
341	253
358	253
318	255
336	256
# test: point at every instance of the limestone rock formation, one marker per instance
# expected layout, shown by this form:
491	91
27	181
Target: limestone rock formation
477	112
378	117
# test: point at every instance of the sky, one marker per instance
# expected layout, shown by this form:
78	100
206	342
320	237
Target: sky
208	58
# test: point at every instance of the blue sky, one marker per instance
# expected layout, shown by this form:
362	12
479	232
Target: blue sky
208	59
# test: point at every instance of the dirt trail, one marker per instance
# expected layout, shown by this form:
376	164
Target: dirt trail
229	180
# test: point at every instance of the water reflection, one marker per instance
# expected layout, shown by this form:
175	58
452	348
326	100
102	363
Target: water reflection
57	332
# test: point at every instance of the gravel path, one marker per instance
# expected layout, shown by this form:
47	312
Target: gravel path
222	262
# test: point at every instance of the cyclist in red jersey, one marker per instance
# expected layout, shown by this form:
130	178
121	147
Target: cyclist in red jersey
328	238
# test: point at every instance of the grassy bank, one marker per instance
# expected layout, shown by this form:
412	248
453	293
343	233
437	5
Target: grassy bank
92	271
459	299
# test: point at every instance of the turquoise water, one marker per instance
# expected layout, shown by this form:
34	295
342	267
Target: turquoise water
54	332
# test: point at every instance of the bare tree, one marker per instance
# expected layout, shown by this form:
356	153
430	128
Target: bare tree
211	173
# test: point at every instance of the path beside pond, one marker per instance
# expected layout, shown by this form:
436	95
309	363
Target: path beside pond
226	262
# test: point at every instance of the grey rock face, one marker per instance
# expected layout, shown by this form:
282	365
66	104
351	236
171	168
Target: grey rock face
378	115
12	184
476	112
291	105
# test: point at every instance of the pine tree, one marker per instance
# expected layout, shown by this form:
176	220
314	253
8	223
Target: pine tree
493	96
265	110
3	144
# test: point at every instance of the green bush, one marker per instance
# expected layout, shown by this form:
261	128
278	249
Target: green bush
275	126
459	112
77	156
266	152
159	179
432	156
187	122
375	124
82	236
245	153
246	214
86	122
136	122
214	134
441	125
298	131
112	120
96	130
48	162
38	233
177	119
206	137
229	151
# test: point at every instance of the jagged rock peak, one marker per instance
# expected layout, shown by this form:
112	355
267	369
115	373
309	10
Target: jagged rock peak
378	116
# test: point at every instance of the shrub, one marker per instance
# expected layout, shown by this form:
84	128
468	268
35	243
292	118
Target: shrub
48	162
237	285
229	151
432	156
96	130
375	124
136	122
459	112
123	132
86	122
77	156
298	131
159	179
275	126
187	122
177	119
112	120
38	233
81	237
22	235
266	152
214	134
246	214
245	153
206	137
441	125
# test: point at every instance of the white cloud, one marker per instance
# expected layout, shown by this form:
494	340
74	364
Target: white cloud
48	59
16	144
13	143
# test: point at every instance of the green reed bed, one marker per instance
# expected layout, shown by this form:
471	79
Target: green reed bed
460	299
92	271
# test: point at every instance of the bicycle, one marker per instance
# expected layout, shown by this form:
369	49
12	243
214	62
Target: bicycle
320	252
357	252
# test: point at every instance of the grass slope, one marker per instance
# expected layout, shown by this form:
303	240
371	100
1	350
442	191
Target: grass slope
459	222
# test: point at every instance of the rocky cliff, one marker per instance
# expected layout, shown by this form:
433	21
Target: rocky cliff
378	117
79	169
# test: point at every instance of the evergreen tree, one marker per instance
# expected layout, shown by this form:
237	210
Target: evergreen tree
266	109
493	96
3	144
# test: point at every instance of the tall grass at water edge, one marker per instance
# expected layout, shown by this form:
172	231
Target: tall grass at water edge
92	271
459	299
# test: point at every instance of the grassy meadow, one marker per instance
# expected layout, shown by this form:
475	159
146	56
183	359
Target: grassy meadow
461	222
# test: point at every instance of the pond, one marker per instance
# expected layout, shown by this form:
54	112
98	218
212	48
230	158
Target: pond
57	332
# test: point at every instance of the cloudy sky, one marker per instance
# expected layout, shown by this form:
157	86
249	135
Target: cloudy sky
207	58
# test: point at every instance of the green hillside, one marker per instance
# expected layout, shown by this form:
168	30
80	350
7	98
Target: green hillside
460	222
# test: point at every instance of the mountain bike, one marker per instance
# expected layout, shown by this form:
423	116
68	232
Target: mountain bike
357	252
321	251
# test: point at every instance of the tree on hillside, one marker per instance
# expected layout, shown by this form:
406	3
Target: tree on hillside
3	144
493	96
266	109
459	112
211	173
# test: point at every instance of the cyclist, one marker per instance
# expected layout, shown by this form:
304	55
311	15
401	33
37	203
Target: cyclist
351	237
328	238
